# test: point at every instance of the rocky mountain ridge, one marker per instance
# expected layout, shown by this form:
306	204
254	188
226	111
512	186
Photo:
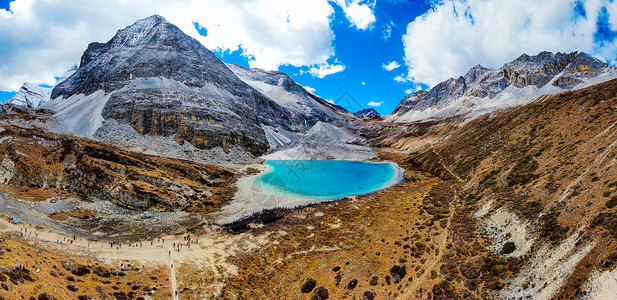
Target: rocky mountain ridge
367	113
483	90
163	83
32	95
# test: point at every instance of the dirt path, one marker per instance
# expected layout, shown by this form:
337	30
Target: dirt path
172	279
211	247
445	166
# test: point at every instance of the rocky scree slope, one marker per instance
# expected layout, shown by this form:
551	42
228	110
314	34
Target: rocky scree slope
329	131
162	82
483	90
301	103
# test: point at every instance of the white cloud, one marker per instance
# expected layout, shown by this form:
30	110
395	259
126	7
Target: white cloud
455	35
391	65
360	15
387	32
363	83
402	78
325	70
40	38
375	104
308	88
409	91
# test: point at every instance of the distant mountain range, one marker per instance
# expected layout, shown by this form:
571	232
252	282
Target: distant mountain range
367	113
154	88
483	90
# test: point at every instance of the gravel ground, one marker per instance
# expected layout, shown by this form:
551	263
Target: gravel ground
109	221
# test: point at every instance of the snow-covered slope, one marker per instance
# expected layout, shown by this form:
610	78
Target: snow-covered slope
287	93
519	82
32	95
324	133
163	83
324	141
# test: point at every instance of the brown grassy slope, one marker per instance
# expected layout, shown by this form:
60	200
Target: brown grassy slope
44	165
555	156
48	271
348	247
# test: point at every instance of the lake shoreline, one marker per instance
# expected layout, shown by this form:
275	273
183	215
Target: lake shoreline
252	197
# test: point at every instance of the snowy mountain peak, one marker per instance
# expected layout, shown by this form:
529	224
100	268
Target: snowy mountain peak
30	95
367	113
482	89
151	80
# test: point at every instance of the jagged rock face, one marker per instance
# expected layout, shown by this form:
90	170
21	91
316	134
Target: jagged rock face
164	82
367	113
409	102
30	95
304	106
546	73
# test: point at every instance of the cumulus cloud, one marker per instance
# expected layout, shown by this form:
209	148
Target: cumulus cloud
40	39
360	15
391	65
326	69
409	91
455	35
375	104
308	88
402	78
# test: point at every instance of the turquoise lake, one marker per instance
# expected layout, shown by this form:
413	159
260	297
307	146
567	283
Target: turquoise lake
328	179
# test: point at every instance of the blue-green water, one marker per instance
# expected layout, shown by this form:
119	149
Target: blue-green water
327	179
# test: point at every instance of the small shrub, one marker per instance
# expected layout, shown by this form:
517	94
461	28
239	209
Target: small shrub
523	172
508	248
612	202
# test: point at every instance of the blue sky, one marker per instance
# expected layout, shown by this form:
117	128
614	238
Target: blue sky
363	53
336	47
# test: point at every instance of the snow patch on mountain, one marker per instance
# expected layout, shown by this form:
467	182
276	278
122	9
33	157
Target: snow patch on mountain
30	95
285	92
483	90
78	114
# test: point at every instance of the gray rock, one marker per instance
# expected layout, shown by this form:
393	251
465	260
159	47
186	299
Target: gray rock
165	83
564	71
